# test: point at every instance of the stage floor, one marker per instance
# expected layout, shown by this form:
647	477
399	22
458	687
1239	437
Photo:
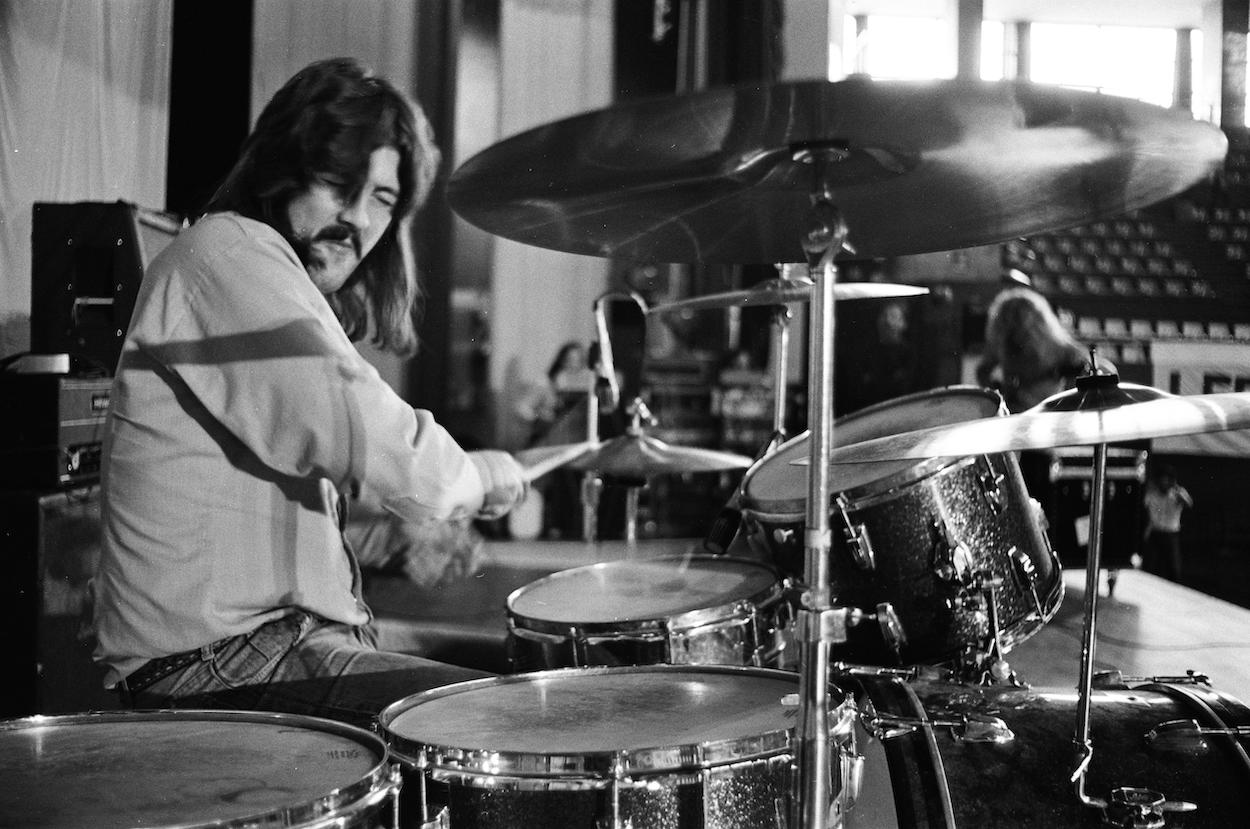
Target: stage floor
1149	627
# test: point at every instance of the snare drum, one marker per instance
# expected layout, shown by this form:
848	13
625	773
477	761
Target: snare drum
681	610
645	746
932	539
944	775
193	768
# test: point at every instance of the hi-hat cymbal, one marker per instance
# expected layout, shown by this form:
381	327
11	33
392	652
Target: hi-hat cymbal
728	175
784	291
1136	413
638	455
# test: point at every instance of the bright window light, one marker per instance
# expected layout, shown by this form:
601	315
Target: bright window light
1133	62
993	50
900	48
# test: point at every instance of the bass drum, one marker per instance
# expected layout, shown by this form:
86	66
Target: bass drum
934	777
932	539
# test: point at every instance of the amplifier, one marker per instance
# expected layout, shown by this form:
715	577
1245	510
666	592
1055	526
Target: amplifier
51	429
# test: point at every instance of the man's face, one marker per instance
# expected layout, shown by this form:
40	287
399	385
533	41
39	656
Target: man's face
332	233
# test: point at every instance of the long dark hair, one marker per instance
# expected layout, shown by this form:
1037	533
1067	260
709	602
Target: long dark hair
327	120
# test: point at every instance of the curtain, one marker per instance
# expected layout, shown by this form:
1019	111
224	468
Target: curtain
556	61
84	116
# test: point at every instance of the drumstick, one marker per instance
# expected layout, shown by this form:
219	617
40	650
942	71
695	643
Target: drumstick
540	460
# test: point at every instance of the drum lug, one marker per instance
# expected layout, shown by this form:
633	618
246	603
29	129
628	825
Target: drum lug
891	626
1026	576
856	538
992	485
953	562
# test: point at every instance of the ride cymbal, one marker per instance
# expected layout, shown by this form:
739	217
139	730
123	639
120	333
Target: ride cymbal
728	175
784	291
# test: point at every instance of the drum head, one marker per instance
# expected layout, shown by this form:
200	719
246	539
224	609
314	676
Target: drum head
641	589
182	768
777	486
580	721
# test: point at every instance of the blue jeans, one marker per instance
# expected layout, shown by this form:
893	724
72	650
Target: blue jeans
300	664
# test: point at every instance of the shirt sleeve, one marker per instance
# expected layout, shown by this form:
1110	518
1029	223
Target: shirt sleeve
243	327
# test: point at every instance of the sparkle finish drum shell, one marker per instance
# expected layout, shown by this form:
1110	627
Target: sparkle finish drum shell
918	535
647	746
680	610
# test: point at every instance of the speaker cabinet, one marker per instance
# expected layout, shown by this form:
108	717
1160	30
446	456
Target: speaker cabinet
1069	497
87	260
52	544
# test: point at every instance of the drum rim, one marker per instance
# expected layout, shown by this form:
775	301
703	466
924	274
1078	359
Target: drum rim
339	802
793	509
653	626
587	770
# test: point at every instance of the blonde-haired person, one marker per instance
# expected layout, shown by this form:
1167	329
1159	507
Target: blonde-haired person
1029	354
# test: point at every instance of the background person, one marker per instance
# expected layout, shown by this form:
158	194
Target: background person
242	418
1165	501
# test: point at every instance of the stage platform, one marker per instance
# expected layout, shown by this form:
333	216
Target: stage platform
1149	627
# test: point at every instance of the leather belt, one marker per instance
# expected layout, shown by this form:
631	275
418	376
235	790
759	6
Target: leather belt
157	669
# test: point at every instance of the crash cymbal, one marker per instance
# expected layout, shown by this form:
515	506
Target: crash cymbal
638	455
1072	418
783	291
727	175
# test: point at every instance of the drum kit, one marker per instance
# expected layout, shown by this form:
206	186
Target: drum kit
858	678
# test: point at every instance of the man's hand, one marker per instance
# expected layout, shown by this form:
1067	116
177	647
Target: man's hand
503	482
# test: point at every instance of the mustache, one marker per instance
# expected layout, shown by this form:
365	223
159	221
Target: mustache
340	233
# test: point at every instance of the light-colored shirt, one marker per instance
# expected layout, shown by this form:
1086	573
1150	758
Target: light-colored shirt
239	413
1164	507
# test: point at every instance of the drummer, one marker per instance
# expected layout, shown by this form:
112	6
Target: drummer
242	419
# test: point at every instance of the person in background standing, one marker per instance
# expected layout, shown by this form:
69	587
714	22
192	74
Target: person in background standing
1165	500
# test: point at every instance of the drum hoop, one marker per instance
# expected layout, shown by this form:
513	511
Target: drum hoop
865	496
658	627
592	769
794	509
342	801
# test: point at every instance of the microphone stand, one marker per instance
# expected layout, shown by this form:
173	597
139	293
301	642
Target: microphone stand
604	396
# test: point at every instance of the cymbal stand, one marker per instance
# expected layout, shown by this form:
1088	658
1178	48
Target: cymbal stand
818	624
1126	806
592	484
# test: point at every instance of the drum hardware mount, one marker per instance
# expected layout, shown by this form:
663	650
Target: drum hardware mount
952	560
1115	679
1181	732
966	728
857	539
991	482
987	664
1136	808
1026	576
